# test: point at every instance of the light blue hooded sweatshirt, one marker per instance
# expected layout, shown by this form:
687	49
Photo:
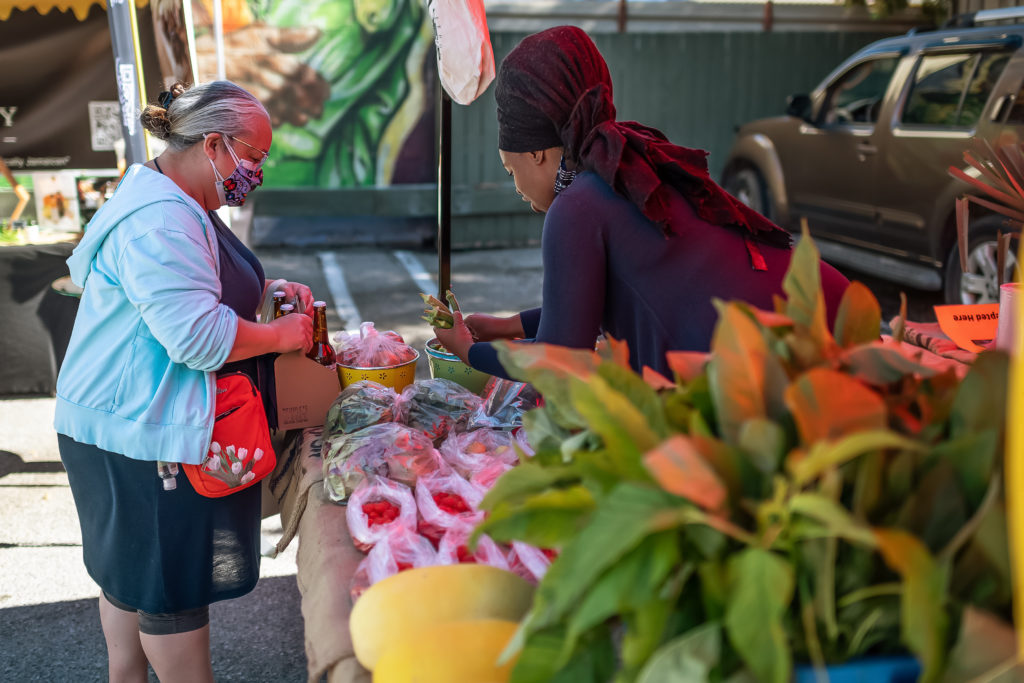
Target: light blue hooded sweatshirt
138	377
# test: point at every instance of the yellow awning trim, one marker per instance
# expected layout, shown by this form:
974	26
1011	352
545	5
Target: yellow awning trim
79	7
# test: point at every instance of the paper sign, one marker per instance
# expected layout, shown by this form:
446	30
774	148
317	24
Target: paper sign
972	327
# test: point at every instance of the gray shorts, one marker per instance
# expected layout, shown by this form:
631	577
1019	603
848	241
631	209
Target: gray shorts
166	624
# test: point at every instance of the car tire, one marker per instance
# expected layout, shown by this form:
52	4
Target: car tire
745	183
980	284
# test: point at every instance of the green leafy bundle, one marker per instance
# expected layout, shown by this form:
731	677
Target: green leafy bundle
794	496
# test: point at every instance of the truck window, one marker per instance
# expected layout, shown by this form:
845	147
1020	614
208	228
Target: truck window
856	96
950	90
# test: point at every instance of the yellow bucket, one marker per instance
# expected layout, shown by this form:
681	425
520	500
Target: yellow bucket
395	376
448	366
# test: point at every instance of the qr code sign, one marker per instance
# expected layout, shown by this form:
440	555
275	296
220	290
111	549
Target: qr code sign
105	125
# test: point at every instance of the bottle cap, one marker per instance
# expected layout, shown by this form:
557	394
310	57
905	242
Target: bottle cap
287	308
319	304
279	294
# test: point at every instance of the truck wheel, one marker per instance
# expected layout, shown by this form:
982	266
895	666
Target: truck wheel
980	283
747	184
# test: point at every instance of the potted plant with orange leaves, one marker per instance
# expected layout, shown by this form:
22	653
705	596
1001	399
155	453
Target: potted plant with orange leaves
796	502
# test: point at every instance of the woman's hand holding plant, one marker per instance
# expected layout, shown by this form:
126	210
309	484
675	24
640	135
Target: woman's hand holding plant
456	339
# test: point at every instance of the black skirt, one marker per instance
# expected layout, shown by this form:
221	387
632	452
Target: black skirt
160	551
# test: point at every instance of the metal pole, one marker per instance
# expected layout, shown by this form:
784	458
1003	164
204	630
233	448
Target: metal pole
128	72
218	38
444	198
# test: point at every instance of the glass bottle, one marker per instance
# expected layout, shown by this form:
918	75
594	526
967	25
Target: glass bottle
286	309
279	299
322	351
168	472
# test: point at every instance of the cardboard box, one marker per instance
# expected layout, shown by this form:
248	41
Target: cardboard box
305	390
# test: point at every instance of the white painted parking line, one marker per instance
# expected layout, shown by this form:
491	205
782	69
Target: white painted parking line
344	306
417	272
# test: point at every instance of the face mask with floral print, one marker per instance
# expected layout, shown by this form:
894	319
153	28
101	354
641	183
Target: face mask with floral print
247	176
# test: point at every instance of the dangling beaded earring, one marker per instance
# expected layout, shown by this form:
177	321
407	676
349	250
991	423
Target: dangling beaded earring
564	177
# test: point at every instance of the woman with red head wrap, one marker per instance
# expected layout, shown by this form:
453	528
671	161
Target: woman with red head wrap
638	239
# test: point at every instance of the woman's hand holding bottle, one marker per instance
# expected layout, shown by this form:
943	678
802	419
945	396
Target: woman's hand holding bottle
294	333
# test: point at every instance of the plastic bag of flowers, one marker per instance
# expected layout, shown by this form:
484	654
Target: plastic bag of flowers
504	402
485	477
445	500
400	549
358	406
529	562
375	508
436	407
387	450
372	348
453	548
470	452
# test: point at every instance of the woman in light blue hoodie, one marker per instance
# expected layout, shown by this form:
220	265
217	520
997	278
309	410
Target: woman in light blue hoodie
170	299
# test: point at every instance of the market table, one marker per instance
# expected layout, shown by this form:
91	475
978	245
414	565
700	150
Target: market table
326	558
36	318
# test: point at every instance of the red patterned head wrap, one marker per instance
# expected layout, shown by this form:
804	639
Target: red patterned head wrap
554	90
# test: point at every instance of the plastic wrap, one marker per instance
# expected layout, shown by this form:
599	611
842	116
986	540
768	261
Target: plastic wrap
386	450
375	508
444	501
398	550
358	406
453	548
484	478
504	402
470	452
372	348
436	407
529	562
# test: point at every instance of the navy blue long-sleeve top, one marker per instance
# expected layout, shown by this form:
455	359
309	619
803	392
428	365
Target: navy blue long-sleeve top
608	268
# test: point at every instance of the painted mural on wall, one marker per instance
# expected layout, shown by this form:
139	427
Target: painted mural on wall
347	83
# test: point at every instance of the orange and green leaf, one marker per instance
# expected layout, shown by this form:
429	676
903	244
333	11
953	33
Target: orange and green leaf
737	370
828	405
686	365
859	319
680	469
923	617
805	302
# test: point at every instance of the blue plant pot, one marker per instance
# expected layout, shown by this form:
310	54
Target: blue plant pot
868	670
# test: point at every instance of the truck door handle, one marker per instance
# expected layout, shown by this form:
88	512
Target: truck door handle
1001	108
864	149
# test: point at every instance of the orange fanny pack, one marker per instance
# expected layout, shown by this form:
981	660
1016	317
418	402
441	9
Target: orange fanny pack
240	453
